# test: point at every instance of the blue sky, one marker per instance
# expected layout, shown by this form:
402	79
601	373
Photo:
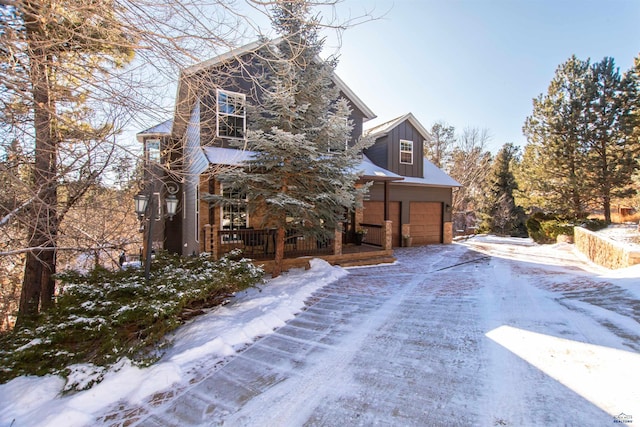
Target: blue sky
476	63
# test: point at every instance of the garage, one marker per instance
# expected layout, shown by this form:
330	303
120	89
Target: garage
426	222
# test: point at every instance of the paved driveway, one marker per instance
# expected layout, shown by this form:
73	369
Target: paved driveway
447	336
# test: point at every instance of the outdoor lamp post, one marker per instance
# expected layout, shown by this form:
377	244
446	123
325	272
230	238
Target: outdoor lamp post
145	207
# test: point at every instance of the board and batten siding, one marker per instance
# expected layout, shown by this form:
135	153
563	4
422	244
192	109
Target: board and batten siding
378	152
405	131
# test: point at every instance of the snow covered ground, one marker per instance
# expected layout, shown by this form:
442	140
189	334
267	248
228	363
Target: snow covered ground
491	331
627	234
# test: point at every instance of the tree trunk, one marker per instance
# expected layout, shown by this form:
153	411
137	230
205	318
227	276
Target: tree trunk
279	256
38	286
606	204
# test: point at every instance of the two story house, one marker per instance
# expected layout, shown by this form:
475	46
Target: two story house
211	116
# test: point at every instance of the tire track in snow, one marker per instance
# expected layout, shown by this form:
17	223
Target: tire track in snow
293	401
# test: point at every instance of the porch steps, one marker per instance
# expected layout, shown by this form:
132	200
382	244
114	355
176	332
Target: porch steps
367	261
344	260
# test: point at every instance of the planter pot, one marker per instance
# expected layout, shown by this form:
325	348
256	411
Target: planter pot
358	239
408	241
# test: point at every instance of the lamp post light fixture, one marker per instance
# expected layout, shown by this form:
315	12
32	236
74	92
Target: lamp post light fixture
146	209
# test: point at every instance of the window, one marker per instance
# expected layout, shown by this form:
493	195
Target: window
234	214
231	114
152	149
406	152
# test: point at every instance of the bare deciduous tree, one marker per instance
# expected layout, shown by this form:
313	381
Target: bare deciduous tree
73	75
469	166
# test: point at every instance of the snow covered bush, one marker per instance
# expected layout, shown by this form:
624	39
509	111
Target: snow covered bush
545	228
104	316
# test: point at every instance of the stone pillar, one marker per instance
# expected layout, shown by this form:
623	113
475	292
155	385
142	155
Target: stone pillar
387	240
447	233
215	242
337	241
207	237
359	217
203	211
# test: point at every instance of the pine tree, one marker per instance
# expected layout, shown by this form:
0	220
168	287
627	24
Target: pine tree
612	152
500	213
581	147
52	56
555	134
302	176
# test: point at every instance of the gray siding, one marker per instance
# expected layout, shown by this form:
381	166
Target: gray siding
239	79
407	132
378	152
191	228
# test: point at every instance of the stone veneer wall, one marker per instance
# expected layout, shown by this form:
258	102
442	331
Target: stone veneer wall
448	233
604	251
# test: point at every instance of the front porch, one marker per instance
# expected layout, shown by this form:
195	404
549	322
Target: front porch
259	245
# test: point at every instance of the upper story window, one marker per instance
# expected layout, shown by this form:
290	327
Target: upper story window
406	152
152	150
231	114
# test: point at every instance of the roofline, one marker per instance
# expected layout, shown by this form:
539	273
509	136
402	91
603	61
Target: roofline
376	178
234	53
425	184
140	136
369	114
410	117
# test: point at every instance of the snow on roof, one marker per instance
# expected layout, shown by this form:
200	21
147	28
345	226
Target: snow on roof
227	156
384	128
162	128
368	169
433	176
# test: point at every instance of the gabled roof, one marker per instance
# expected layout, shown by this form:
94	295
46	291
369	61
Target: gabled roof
386	127
161	129
253	47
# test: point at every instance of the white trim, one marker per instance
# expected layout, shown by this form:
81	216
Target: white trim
222	207
147	151
406	151
233	114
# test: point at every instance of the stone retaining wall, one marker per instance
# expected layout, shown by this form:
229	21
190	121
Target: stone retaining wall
603	251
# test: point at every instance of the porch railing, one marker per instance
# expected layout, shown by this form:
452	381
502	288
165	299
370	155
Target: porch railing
261	244
374	234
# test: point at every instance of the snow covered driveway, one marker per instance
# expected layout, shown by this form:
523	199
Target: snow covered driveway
446	336
492	332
